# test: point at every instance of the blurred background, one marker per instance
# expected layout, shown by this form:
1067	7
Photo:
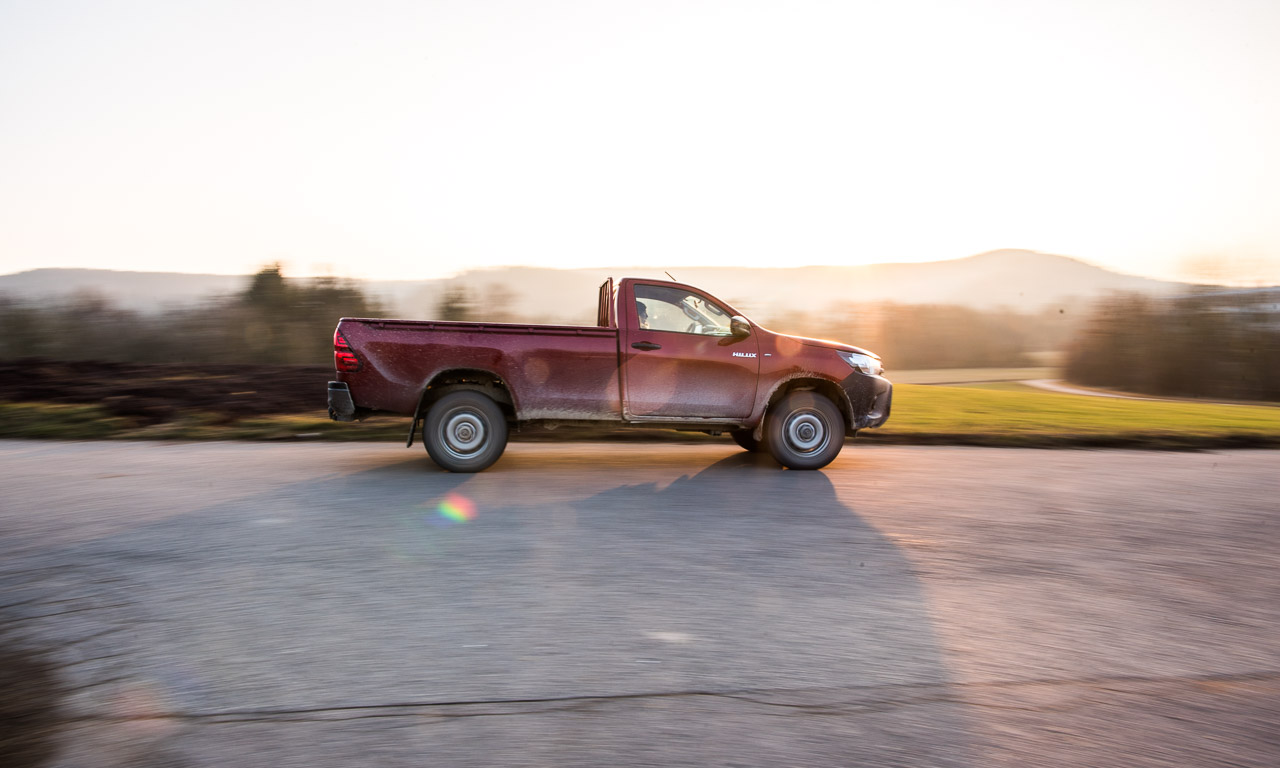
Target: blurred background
1002	348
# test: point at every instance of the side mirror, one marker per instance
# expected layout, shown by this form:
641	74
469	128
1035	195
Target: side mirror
739	326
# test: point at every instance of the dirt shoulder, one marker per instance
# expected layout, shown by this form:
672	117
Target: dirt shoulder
158	393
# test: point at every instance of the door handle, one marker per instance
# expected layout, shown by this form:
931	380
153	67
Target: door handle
646	345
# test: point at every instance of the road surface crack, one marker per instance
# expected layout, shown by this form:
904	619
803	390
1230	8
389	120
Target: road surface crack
886	697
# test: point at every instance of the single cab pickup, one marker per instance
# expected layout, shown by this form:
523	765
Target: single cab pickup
662	354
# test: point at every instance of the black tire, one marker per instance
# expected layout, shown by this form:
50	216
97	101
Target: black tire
465	431
804	431
746	439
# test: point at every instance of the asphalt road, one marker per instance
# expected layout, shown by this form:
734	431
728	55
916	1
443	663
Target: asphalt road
224	604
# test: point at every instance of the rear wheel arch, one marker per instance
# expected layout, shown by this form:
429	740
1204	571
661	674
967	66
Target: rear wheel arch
479	380
476	379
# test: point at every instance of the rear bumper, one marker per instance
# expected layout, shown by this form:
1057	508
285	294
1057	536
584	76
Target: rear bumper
341	406
871	398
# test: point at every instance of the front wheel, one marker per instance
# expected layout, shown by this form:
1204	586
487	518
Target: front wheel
805	431
465	431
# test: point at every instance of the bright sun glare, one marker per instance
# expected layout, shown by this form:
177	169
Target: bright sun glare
410	140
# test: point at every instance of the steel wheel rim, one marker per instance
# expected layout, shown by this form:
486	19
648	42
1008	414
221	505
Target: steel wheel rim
464	434
806	431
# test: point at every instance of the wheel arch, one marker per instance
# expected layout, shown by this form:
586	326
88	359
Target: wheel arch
801	382
479	380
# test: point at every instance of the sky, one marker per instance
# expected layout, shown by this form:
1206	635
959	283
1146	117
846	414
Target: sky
417	139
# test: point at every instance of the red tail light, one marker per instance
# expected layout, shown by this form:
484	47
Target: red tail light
343	358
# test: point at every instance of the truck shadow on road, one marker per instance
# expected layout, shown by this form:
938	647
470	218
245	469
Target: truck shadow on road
804	629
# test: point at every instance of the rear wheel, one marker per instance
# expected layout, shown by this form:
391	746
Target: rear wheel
805	431
465	431
746	439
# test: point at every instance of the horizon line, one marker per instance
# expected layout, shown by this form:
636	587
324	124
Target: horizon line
497	268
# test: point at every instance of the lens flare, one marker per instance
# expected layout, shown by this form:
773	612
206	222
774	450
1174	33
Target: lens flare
457	508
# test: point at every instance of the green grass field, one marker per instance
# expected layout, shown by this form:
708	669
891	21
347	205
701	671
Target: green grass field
1013	414
988	414
970	375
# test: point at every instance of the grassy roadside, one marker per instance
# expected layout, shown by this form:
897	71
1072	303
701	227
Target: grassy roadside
1014	415
962	376
92	422
1005	416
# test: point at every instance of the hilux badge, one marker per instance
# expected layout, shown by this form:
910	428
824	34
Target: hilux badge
744	354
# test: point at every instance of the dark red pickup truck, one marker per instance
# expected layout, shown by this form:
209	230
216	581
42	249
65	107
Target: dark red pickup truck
661	355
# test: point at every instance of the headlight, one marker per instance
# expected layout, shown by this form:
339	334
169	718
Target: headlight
863	363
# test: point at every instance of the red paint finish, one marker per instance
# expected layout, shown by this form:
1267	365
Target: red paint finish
551	372
686	369
683	373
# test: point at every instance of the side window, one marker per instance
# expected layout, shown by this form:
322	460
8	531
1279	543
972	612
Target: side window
671	309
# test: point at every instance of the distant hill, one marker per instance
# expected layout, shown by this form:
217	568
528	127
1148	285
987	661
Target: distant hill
1021	280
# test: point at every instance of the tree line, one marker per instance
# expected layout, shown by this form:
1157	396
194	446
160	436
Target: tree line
1209	346
1213	345
275	320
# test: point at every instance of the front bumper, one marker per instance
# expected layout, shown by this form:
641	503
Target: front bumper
870	397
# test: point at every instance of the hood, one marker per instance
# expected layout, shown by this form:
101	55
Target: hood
826	344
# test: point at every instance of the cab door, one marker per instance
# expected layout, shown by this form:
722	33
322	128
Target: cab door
680	358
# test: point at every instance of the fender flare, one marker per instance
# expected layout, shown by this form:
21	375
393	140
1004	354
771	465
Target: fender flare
788	384
506	400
